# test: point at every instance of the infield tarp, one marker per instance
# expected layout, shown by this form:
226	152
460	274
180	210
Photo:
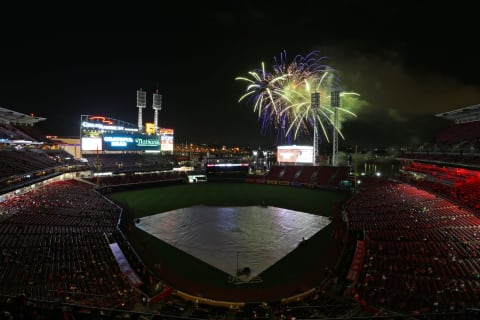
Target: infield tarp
258	236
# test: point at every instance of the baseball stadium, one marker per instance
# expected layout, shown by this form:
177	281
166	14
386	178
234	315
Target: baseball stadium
120	223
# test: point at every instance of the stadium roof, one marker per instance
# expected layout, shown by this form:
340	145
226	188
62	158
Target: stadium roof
461	113
12	117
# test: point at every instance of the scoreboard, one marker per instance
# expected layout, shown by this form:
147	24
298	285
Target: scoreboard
99	133
166	139
130	142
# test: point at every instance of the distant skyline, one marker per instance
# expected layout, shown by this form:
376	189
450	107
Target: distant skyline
408	61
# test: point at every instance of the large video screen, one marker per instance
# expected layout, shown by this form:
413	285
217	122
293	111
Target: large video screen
131	142
295	154
166	139
99	133
91	144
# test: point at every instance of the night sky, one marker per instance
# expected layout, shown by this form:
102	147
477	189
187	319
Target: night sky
408	61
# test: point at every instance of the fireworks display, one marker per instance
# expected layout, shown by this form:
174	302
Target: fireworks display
282	97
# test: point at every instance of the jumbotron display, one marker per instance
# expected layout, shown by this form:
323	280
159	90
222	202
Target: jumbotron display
131	142
295	154
166	139
99	133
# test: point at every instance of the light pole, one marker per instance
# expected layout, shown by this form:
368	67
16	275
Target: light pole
315	102
335	103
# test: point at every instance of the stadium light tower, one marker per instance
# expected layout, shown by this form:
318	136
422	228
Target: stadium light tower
315	101
335	103
141	104
157	105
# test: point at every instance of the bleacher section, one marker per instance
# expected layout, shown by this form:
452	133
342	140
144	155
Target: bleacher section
32	132
14	133
274	174
421	250
457	159
457	184
459	133
143	179
288	174
13	162
132	162
303	176
55	247
22	158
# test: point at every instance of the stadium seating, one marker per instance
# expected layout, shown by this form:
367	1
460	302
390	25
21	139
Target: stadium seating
131	162
13	162
420	254
457	184
144	178
303	176
458	133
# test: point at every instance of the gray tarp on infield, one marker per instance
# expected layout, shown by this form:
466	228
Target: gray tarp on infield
260	235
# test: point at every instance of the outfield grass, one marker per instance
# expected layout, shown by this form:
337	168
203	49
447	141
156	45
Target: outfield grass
150	201
155	200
